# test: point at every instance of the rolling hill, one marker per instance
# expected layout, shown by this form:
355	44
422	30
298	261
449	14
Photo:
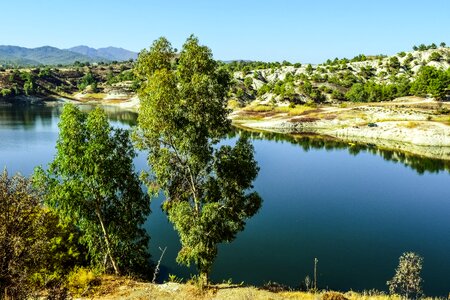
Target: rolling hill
108	53
47	55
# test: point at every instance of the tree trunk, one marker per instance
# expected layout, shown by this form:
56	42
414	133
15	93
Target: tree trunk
107	242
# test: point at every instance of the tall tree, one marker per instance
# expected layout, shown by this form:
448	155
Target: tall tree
92	180
182	118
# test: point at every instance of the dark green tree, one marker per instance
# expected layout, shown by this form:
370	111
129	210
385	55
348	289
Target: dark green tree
394	64
92	181
86	80
357	93
432	81
182	118
309	69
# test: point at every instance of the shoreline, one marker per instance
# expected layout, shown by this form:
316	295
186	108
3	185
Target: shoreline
396	127
385	126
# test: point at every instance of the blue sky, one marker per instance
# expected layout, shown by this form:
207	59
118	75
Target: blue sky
276	30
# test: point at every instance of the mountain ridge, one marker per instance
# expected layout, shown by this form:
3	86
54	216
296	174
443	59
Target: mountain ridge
110	53
11	55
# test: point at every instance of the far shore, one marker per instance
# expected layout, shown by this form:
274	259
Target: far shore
410	124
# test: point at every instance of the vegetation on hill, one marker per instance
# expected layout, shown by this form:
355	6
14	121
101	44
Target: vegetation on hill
67	81
424	72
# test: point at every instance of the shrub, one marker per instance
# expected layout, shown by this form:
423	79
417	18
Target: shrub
81	280
435	56
5	92
407	281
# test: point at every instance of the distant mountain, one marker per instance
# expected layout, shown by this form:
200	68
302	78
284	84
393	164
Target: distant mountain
109	53
14	55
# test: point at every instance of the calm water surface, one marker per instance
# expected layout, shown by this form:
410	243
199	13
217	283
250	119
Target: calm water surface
355	209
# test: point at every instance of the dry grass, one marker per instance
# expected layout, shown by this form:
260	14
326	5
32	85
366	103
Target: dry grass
409	125
351	114
115	288
294	111
233	104
259	108
94	96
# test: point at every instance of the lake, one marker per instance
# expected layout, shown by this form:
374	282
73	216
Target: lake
354	208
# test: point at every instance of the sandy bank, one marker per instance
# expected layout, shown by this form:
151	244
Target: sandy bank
409	130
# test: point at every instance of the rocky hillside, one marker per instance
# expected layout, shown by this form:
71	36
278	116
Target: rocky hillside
81	82
361	79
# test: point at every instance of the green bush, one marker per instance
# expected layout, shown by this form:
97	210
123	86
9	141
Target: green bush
6	93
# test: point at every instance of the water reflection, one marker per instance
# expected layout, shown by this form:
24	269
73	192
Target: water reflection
26	116
420	164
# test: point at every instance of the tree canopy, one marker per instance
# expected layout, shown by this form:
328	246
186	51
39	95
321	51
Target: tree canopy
92	181
182	118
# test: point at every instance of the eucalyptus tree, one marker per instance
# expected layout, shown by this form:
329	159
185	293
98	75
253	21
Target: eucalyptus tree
92	181
182	118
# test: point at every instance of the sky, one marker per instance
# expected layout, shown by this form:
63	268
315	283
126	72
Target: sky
268	30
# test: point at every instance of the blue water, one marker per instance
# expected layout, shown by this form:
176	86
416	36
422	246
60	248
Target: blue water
356	213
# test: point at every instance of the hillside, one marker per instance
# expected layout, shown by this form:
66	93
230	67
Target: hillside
108	53
370	78
398	102
14	55
82	82
11	56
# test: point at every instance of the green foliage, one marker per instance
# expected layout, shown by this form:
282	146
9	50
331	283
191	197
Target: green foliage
423	47
62	251
182	118
239	65
29	86
432	81
126	75
373	92
92	181
337	95
86	80
435	56
407	281
21	244
309	69
360	57
45	72
248	81
6	92
394	65
408	59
